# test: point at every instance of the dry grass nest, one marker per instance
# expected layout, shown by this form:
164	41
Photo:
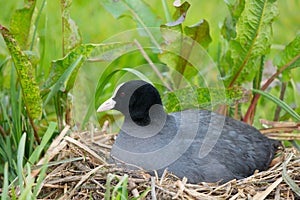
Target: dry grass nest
77	170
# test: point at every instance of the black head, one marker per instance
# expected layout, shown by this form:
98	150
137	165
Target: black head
134	99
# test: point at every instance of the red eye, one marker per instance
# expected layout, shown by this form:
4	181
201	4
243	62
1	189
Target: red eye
122	94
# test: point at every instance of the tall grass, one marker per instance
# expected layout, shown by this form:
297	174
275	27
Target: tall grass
59	61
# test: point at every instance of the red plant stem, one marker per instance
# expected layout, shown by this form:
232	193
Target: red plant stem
2	131
264	87
281	97
35	130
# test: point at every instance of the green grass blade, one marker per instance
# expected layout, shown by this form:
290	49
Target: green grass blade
13	193
20	157
46	138
3	152
108	186
7	153
166	11
120	190
26	193
4	194
16	103
288	179
36	23
40	180
279	102
124	194
143	195
4	62
296	145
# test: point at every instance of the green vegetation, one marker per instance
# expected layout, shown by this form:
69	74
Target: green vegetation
61	59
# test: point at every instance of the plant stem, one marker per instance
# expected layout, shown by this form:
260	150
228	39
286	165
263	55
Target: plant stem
264	87
2	131
147	29
63	27
36	24
68	110
139	46
59	109
35	130
166	11
278	109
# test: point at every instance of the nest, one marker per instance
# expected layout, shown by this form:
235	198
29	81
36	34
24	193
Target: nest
80	172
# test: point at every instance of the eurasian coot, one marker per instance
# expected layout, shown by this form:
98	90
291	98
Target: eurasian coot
198	144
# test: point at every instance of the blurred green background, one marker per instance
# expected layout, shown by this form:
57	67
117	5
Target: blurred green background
97	25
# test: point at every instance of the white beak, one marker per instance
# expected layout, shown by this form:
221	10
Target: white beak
107	105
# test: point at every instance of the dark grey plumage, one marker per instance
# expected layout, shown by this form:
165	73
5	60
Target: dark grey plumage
151	139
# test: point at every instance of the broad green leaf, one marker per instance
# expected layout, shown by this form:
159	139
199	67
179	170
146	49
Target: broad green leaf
193	97
116	8
173	37
252	41
280	103
172	34
60	83
110	51
30	89
61	65
235	9
140	12
181	11
199	33
180	42
21	24
99	52
290	54
71	34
